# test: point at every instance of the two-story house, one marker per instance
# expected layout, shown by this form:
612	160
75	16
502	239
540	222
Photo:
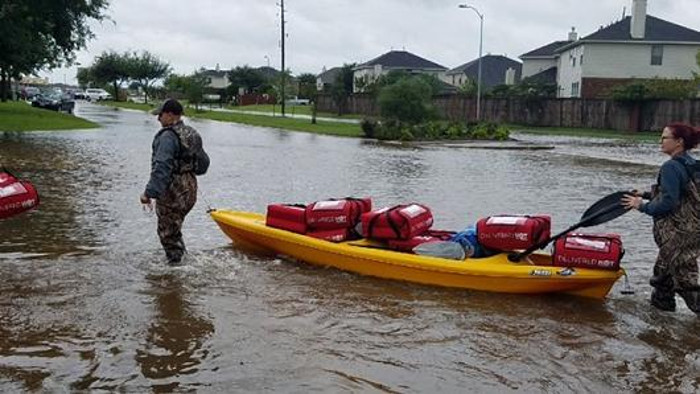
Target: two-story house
639	46
370	71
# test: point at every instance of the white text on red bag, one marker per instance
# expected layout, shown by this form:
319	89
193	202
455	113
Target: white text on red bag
336	235
16	196
600	251
398	222
513	232
335	214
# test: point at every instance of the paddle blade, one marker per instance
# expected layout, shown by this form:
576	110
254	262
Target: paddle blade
604	210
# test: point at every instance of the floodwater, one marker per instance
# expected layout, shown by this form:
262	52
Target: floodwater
87	302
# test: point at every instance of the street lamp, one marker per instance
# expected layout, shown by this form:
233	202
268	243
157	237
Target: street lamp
481	44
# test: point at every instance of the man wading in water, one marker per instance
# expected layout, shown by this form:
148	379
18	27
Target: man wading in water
176	158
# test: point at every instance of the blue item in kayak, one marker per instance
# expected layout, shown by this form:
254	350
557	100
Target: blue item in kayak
469	241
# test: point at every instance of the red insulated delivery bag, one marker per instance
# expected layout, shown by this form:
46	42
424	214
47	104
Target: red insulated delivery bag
599	251
513	232
337	235
290	217
16	196
334	214
407	245
398	222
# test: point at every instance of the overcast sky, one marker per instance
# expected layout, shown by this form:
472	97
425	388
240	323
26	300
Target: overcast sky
192	34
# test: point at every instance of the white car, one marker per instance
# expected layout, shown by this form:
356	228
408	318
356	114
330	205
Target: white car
97	95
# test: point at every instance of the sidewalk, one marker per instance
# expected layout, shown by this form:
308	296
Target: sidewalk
287	115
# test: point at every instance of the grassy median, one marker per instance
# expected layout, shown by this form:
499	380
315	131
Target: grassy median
20	116
329	128
291	110
646	136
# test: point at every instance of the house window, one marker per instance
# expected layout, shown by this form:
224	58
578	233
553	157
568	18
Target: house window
573	62
657	55
575	89
580	61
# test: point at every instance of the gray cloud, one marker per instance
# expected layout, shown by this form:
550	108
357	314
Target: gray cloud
194	34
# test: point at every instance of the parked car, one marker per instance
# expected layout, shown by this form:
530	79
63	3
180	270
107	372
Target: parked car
28	92
97	94
79	94
55	101
294	100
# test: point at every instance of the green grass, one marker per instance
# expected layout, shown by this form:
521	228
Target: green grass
129	105
329	128
291	110
20	116
645	136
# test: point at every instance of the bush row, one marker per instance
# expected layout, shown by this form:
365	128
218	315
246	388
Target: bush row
433	130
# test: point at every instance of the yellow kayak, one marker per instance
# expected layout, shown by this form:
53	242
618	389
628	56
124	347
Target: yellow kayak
533	275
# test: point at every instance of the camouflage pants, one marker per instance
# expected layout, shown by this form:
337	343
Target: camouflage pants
171	209
676	267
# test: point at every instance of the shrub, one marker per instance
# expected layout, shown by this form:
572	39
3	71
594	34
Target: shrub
408	100
369	127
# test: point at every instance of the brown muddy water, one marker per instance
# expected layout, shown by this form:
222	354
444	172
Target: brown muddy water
88	304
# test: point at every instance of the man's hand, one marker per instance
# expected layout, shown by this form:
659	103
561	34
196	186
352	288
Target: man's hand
147	203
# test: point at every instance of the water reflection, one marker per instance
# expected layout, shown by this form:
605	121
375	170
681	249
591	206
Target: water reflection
175	338
64	175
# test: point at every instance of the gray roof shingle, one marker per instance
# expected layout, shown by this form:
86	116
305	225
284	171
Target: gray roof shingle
656	29
546	50
329	75
493	70
402	60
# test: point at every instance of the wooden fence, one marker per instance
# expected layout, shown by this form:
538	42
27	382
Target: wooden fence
595	114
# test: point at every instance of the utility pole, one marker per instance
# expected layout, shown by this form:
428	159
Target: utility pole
283	76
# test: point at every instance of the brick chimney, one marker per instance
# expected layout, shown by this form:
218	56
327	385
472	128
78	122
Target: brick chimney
572	34
639	18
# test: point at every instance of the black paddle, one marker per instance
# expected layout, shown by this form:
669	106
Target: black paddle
604	210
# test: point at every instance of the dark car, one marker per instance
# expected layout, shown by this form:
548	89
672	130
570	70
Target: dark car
55	101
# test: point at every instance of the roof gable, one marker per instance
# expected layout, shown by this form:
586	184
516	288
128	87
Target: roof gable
329	75
402	59
493	69
655	29
546	50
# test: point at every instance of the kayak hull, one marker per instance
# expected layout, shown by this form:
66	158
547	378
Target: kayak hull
536	275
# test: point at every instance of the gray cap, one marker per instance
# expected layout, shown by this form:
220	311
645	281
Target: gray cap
170	105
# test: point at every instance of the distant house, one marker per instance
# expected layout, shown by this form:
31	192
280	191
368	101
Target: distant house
218	79
325	79
395	61
545	58
636	47
495	70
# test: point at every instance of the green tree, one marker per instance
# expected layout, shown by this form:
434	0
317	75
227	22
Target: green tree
247	78
343	87
146	68
112	68
409	100
195	85
307	85
43	34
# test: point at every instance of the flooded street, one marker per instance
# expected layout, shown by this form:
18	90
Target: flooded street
88	303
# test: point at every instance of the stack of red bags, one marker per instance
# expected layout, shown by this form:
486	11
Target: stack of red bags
332	220
402	227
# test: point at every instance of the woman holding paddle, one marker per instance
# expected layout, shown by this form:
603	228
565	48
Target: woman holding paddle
675	207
